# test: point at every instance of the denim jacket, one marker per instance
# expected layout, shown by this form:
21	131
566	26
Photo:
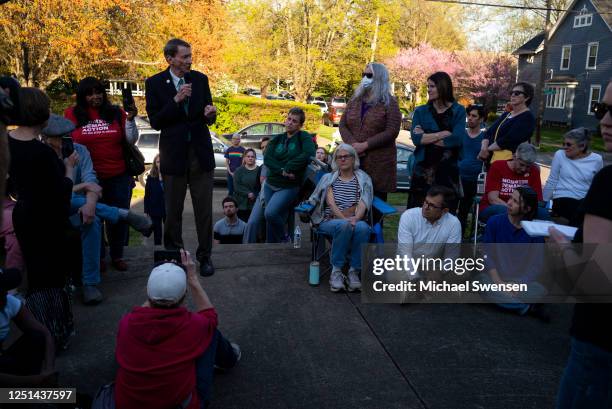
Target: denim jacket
318	197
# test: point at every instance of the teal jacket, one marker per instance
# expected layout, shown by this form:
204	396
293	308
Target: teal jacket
423	117
291	155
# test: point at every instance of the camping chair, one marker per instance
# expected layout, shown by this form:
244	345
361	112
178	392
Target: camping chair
319	239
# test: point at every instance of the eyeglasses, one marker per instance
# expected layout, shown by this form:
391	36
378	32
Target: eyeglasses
428	204
344	157
367	74
516	93
600	109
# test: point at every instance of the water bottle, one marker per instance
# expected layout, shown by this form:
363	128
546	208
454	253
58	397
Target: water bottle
297	238
313	273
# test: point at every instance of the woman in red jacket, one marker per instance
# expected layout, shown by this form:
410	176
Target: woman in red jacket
101	127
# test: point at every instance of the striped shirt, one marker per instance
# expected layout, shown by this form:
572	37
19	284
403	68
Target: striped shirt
346	194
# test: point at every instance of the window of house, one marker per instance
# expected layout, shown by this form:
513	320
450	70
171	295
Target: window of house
594	96
583	19
555	97
566	52
591	62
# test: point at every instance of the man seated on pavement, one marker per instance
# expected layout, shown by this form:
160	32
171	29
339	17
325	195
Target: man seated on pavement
430	231
230	229
30	360
506	175
87	212
505	266
166	353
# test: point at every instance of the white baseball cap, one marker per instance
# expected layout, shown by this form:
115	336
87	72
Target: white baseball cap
167	282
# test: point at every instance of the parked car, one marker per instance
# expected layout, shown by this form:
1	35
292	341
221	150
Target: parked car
312	100
148	143
405	165
322	105
254	93
332	116
286	95
251	135
339	102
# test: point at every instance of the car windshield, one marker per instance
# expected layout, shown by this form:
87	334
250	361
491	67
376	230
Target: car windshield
339	100
339	111
148	140
321	104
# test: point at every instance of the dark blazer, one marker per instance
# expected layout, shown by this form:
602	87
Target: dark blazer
154	204
175	125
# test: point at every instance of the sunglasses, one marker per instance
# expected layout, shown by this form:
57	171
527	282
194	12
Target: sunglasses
517	93
367	74
568	145
600	109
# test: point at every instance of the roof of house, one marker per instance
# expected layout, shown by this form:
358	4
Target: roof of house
531	46
534	46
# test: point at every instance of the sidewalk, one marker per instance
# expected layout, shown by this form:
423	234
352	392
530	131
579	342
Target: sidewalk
305	347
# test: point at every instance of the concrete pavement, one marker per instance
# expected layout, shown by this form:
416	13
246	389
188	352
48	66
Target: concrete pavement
305	347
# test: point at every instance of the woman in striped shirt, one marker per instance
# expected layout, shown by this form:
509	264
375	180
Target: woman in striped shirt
342	200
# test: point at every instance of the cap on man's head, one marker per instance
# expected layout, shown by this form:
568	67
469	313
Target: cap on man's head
167	282
58	126
9	278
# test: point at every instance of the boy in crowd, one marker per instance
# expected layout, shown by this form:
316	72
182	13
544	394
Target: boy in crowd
230	229
233	160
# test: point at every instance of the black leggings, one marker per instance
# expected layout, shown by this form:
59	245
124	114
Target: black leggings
467	202
570	209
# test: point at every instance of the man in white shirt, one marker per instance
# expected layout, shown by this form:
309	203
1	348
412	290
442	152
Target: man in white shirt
430	231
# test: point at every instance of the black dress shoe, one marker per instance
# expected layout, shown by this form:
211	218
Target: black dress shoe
206	267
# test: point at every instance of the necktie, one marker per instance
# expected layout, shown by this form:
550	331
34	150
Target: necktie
180	84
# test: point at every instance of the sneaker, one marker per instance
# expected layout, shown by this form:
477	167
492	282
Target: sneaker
336	281
237	354
140	223
91	295
119	265
353	281
237	351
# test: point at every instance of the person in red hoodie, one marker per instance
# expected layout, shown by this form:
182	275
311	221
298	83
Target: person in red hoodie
167	354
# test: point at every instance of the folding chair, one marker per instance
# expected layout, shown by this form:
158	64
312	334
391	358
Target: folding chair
480	191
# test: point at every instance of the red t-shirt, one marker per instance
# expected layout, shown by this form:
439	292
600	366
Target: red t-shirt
103	140
504	180
156	352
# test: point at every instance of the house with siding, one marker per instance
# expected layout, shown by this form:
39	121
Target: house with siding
578	64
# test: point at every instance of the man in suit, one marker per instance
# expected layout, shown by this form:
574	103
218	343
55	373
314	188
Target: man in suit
179	104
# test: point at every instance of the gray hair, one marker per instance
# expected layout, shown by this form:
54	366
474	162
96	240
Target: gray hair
351	151
379	90
526	152
580	136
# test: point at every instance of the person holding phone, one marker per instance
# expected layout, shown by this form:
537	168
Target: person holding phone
101	127
166	353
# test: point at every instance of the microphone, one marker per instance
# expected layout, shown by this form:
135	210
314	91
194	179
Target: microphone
187	78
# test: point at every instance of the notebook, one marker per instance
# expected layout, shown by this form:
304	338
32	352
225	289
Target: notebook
539	228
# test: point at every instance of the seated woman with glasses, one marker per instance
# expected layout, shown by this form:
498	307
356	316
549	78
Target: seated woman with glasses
342	199
571	174
511	128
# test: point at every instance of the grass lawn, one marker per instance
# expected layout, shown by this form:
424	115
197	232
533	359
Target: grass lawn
390	227
397	199
552	140
326	131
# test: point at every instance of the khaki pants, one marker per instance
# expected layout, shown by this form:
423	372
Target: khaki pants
201	189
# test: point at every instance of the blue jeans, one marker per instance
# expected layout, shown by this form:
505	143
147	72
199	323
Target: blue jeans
345	239
586	377
256	221
278	204
220	353
492	210
91	236
509	302
117	192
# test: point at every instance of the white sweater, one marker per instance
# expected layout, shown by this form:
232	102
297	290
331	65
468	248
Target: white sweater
571	177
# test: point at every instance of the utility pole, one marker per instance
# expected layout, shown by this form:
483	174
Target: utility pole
541	84
375	39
